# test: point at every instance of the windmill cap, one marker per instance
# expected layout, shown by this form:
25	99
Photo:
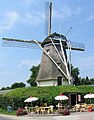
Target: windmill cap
55	36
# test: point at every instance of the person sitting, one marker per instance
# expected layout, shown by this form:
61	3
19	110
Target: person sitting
59	107
42	110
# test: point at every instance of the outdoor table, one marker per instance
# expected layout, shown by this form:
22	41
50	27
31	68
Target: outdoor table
31	109
44	110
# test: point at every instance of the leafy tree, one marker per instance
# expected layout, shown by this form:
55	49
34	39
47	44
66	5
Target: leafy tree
13	86
34	72
85	81
92	80
82	81
75	73
17	85
5	88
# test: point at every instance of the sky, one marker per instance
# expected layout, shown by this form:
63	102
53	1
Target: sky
25	19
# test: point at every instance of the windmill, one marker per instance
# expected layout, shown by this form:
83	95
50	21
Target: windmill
55	66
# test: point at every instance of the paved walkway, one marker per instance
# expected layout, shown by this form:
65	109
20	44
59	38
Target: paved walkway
73	116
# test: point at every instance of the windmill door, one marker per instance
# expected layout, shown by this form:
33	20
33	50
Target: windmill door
59	81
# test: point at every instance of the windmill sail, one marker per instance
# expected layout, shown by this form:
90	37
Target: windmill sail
48	18
76	46
12	42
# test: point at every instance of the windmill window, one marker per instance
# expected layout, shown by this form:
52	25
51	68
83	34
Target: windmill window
47	51
58	64
56	37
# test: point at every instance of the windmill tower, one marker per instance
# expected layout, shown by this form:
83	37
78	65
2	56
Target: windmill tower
54	68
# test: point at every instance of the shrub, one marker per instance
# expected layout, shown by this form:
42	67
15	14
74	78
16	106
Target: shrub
21	111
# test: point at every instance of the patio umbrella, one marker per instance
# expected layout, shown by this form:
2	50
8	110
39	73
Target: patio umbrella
61	97
89	95
31	99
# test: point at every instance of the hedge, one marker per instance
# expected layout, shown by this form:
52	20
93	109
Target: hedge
16	97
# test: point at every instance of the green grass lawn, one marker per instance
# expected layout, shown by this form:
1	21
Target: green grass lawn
4	111
50	91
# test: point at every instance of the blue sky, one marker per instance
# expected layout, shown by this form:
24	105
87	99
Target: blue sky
25	19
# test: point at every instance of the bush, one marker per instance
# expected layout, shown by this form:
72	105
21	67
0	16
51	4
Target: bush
21	111
65	111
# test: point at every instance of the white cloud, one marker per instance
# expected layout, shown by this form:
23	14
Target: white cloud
78	11
8	21
90	18
66	12
34	18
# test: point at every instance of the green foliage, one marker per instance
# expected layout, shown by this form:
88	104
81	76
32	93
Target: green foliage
4	111
92	80
16	97
50	91
86	81
78	80
75	73
5	88
34	72
17	85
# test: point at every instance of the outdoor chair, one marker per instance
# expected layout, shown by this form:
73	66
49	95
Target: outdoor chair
51	109
37	110
42	110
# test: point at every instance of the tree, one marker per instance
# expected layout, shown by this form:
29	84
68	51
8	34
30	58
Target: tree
82	81
92	80
75	73
14	85
34	72
5	88
85	81
17	85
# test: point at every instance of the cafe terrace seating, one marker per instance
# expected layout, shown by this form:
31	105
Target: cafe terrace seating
82	107
40	110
